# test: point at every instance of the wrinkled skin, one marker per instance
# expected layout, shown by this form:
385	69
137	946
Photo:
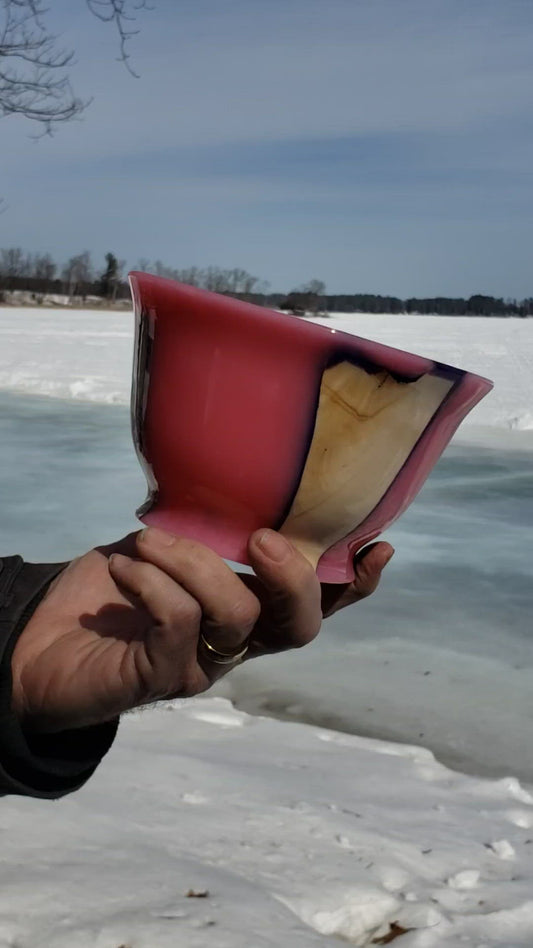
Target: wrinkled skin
120	626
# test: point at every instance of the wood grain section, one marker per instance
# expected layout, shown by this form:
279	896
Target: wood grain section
366	426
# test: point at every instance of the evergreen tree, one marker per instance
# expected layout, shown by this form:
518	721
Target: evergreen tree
110	278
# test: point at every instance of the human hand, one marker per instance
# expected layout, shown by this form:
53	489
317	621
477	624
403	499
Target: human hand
125	624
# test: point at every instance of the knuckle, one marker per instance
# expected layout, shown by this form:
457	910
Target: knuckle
290	587
188	612
304	585
244	613
143	576
192	552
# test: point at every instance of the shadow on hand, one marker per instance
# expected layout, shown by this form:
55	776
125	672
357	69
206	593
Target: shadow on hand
120	622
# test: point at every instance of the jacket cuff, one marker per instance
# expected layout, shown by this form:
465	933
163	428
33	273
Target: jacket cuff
32	764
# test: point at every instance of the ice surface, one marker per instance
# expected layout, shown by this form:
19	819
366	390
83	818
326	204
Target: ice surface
79	354
442	654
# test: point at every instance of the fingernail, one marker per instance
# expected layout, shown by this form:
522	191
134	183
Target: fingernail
156	537
118	559
389	557
274	546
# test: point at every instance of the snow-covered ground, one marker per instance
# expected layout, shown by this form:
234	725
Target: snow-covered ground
208	828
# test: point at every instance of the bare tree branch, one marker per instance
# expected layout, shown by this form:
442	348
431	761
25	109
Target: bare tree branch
34	68
121	13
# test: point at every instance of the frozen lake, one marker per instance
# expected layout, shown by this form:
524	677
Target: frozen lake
301	836
442	655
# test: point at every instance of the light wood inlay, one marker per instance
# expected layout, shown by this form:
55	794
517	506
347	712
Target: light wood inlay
366	426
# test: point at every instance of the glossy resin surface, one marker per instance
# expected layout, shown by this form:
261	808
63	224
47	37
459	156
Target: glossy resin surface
244	418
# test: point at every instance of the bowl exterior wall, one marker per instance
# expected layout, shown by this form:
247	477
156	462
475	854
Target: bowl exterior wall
224	411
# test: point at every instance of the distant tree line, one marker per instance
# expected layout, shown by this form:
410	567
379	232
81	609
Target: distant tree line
79	278
40	275
477	305
234	282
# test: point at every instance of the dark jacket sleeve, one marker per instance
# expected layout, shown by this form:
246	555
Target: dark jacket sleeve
31	764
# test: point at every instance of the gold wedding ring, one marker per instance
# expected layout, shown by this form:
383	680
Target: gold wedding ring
223	658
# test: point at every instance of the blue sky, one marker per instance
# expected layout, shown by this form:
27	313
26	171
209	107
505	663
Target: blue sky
381	145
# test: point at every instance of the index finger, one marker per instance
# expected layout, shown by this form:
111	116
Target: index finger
229	608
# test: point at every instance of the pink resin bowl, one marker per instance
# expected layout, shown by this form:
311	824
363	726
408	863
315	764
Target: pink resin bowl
246	418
